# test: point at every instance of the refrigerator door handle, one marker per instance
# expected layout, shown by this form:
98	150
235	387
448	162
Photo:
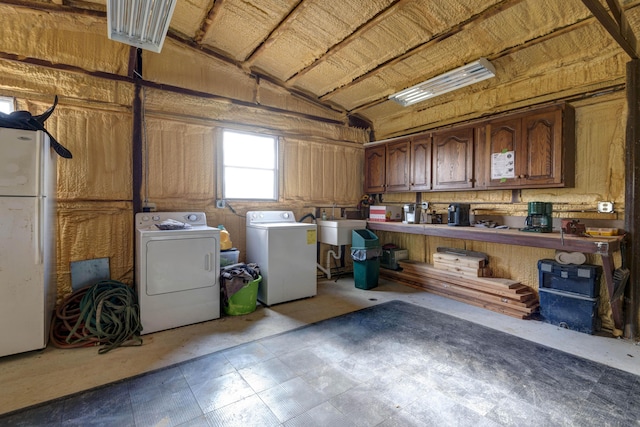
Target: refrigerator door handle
39	218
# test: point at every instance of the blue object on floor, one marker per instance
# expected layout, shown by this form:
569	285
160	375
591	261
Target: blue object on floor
569	310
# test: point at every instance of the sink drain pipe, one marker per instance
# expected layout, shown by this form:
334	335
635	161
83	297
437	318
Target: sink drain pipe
330	253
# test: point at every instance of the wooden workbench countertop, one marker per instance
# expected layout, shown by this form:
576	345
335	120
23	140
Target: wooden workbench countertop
603	245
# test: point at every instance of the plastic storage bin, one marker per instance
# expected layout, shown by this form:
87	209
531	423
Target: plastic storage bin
243	301
390	258
364	239
229	257
581	279
569	310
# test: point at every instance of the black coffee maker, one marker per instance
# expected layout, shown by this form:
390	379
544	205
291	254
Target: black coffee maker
459	214
539	218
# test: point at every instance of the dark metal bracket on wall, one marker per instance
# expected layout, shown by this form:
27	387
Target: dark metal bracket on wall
632	203
135	71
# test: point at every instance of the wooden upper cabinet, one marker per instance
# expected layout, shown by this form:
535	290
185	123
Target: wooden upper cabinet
453	159
375	175
531	150
398	165
420	170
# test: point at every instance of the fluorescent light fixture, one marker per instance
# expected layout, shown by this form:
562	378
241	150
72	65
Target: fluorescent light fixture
466	75
140	23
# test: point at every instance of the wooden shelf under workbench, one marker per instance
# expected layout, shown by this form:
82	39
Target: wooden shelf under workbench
605	246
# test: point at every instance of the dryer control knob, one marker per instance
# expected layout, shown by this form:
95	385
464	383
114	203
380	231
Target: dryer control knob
192	217
145	218
155	218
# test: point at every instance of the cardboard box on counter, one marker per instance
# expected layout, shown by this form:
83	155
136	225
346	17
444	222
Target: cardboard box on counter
385	213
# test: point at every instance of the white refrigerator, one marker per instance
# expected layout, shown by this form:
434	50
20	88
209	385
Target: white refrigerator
27	240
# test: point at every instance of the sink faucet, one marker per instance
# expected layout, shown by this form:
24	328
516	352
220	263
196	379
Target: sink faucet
333	207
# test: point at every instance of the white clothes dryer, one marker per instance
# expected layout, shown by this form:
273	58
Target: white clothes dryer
177	270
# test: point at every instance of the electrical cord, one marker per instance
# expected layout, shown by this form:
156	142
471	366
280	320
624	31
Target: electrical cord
102	314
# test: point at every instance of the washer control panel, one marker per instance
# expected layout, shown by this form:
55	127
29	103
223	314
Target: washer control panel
148	219
262	217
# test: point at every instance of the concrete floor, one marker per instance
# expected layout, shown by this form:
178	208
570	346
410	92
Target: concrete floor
36	377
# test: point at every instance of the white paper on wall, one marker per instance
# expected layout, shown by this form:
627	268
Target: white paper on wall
502	165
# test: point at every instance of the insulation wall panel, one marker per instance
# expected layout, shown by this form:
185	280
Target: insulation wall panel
77	88
181	161
75	40
89	230
321	173
191	69
101	144
222	112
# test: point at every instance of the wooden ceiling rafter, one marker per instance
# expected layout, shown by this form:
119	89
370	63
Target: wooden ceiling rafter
617	26
347	40
276	31
208	21
487	13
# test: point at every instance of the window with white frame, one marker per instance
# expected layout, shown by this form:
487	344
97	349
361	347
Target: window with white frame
6	104
249	166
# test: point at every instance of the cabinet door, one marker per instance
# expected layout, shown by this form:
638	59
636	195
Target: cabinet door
453	159
506	162
420	163
541	148
531	143
398	166
375	169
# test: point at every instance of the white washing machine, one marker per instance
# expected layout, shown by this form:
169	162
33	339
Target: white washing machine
177	270
285	251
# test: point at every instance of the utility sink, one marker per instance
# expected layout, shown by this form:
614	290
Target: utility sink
337	232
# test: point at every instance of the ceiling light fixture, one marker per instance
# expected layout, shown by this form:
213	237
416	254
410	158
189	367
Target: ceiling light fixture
455	79
140	23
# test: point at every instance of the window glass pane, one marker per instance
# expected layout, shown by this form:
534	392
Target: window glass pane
243	183
6	105
249	166
250	151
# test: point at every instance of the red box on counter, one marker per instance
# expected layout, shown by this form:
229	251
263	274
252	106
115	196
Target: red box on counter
385	213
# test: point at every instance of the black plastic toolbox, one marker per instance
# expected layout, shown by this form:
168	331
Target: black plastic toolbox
569	310
581	279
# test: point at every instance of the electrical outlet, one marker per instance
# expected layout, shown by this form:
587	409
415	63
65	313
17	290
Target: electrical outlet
220	204
149	207
605	207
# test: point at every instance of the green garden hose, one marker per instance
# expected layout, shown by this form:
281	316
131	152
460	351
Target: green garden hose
102	314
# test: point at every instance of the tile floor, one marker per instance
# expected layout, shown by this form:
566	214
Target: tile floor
260	375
